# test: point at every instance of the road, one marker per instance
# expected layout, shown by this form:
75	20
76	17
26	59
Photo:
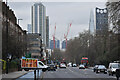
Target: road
74	73
30	75
70	73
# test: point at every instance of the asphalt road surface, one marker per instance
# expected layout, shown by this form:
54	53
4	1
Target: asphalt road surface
74	73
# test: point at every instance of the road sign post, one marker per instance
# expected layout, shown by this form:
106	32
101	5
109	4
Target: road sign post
35	75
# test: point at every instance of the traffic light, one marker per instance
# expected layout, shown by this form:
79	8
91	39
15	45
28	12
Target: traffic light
28	55
41	50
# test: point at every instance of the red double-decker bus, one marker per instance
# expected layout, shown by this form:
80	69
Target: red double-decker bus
84	61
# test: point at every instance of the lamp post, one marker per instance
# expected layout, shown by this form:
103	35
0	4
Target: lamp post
6	39
19	20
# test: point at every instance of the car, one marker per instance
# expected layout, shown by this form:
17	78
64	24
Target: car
56	66
51	67
62	65
81	66
112	68
69	64
101	68
95	67
74	65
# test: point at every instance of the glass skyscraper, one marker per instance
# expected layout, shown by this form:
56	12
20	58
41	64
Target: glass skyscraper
29	28
47	31
91	23
57	44
64	44
39	20
101	21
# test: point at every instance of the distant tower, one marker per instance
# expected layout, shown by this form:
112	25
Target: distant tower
91	23
58	44
39	20
29	28
101	21
64	44
51	44
47	31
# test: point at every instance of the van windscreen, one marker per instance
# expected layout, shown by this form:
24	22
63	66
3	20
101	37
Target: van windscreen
115	66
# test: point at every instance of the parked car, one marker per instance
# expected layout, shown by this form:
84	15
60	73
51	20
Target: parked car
101	68
112	68
69	64
81	66
62	65
95	67
51	67
56	64
74	65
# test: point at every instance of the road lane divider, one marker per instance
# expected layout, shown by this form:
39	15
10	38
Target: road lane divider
70	70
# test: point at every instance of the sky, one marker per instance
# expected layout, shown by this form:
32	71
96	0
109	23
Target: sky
61	13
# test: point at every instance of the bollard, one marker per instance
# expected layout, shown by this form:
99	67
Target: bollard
38	75
35	75
117	74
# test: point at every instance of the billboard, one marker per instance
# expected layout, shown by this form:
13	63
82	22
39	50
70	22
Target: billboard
29	63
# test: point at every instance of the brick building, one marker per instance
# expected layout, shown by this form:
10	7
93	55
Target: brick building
13	36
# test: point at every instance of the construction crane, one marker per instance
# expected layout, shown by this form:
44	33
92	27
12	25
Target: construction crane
54	35
65	36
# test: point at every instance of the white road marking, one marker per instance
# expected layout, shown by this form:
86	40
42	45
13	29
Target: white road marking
66	72
70	70
97	74
114	77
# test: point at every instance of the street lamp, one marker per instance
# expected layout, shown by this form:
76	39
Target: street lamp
19	20
6	39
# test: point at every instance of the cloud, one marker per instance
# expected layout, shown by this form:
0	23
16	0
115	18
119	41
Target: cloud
58	0
61	13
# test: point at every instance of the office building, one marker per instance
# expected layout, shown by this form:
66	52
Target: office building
34	44
51	44
101	21
64	44
29	28
47	31
91	23
39	20
57	44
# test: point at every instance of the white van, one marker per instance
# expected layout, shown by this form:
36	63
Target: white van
42	66
32	64
112	68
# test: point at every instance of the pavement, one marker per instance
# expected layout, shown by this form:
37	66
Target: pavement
30	75
13	75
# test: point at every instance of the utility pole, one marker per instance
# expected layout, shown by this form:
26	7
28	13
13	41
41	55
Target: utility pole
19	20
6	39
